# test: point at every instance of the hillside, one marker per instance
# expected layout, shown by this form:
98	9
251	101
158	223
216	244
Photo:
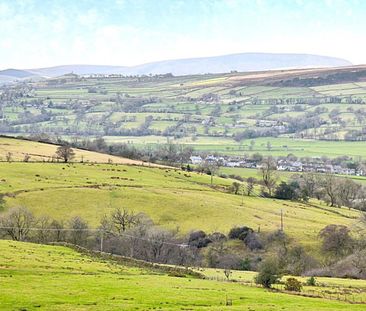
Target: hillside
307	112
192	66
42	152
172	198
57	278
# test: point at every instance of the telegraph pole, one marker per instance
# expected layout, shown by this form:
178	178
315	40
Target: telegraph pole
101	241
281	220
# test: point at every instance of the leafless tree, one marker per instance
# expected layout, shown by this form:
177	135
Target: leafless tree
57	234
123	219
65	152
348	191
79	231
211	168
17	223
268	174
43	234
330	186
336	240
359	262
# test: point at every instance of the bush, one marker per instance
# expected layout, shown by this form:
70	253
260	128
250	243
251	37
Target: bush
269	273
252	241
311	281
287	191
293	285
240	232
198	239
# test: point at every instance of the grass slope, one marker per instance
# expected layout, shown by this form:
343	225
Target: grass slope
34	277
172	198
44	152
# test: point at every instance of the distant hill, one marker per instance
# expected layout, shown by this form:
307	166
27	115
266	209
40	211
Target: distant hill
237	62
16	73
218	64
77	69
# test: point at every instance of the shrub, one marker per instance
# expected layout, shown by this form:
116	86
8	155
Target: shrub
245	264
269	273
252	241
287	191
240	232
311	281
198	239
293	285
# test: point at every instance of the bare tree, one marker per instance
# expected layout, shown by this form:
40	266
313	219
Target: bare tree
42	233
308	182
65	152
79	231
330	186
268	174
17	223
57	234
336	240
211	168
122	219
348	191
359	262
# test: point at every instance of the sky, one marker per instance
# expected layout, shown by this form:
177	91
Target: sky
42	33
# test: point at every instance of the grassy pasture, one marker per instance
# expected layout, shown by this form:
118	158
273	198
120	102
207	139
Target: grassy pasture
171	198
34	277
335	288
281	146
44	152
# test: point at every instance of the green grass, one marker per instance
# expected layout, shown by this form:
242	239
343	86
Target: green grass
352	290
170	197
44	152
281	146
179	96
34	277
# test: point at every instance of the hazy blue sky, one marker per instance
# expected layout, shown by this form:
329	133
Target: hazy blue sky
36	33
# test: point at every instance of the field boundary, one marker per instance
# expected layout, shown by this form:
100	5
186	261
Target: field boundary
132	262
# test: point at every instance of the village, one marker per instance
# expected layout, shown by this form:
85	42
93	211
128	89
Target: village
290	164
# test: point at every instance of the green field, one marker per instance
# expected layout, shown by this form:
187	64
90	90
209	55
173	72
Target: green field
172	198
280	146
40	152
210	108
34	277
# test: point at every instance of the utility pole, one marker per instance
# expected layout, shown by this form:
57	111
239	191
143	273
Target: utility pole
101	241
281	220
242	195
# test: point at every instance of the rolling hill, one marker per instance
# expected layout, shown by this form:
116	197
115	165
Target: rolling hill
170	197
242	62
43	152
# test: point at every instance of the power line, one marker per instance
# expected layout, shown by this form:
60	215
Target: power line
181	245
